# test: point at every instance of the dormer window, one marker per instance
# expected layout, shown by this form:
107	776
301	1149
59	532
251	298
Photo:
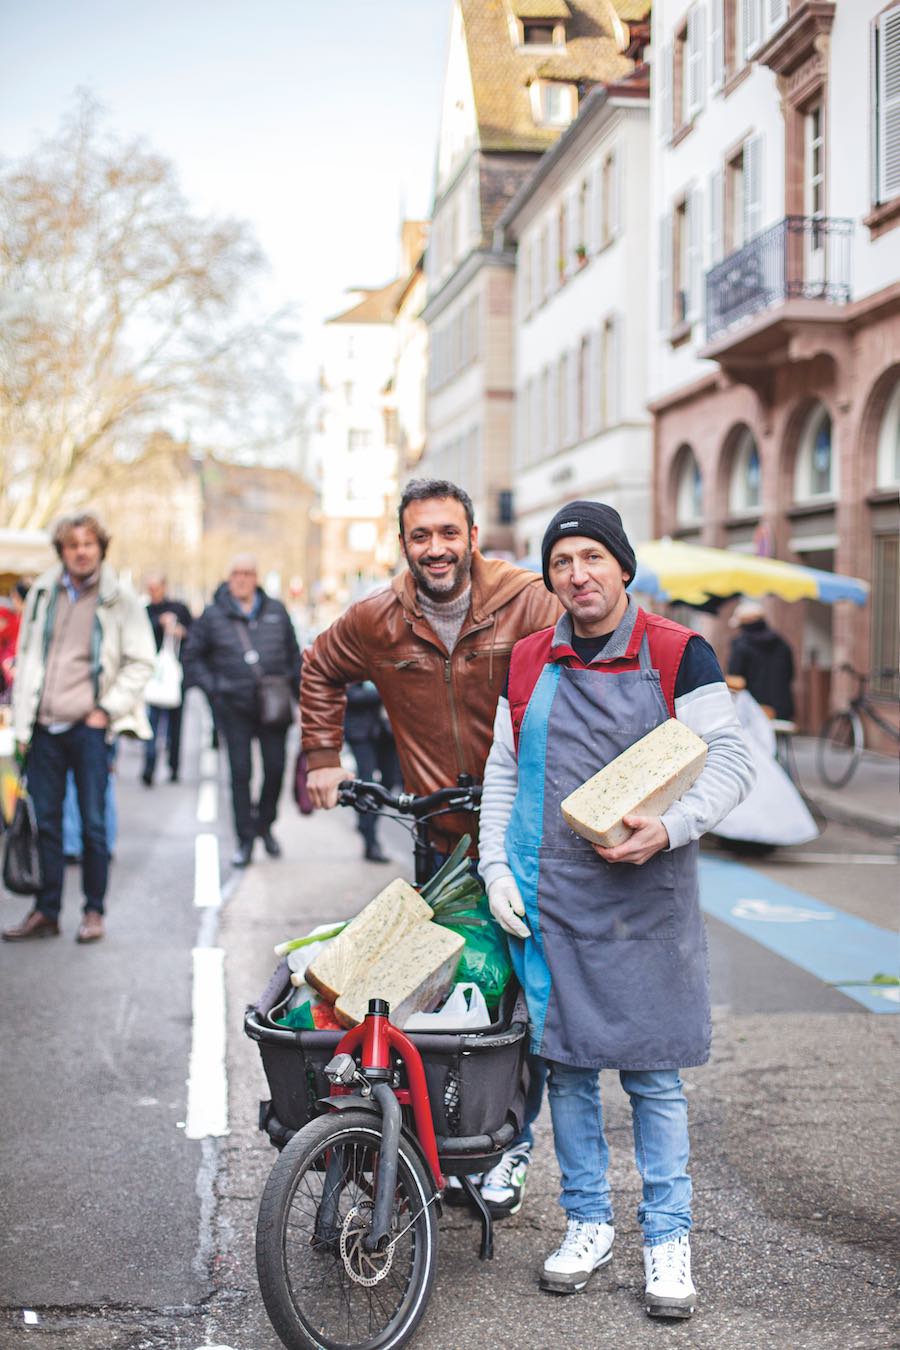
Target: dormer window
553	103
539	24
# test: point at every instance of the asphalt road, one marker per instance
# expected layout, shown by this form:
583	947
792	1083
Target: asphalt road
117	1232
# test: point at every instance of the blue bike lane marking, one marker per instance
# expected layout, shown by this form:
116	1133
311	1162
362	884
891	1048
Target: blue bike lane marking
834	946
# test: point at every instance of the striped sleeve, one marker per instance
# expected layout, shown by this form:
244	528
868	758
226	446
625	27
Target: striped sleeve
501	780
704	703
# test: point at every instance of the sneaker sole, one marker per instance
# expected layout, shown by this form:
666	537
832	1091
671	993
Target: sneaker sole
661	1307
501	1210
571	1284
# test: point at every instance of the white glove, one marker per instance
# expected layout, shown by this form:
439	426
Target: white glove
507	906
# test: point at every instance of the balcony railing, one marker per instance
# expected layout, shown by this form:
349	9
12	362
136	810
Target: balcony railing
802	257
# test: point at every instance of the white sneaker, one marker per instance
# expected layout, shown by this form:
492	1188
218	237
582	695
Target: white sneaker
669	1290
503	1187
585	1247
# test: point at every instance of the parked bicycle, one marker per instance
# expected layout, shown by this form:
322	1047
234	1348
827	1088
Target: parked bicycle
371	1122
843	737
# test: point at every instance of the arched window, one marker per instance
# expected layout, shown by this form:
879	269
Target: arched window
744	489
816	469
888	470
688	488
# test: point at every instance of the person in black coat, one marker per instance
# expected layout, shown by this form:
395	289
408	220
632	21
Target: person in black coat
763	658
368	733
242	635
169	618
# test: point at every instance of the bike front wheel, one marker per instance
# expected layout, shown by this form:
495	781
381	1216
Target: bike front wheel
322	1288
840	748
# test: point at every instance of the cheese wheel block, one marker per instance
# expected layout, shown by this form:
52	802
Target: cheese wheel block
377	929
643	781
414	976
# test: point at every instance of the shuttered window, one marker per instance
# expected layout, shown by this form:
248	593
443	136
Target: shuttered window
887	105
753	179
751	26
716	203
664	274
716	44
693	73
777	13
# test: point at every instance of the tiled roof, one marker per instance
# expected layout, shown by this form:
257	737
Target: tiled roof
376	306
540	9
502	73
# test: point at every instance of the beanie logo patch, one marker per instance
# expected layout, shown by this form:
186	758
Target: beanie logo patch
567	524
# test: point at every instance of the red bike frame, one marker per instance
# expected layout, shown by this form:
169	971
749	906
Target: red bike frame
376	1037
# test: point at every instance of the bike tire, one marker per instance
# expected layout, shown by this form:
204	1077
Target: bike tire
310	1282
839	749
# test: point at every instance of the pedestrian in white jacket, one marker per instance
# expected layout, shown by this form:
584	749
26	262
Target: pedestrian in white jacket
84	655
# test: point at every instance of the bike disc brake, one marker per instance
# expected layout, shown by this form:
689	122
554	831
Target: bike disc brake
357	1261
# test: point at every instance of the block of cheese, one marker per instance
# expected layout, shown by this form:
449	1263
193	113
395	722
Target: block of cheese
375	930
414	976
643	781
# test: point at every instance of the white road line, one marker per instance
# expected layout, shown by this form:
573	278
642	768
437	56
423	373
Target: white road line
207	891
207	1109
209	763
208	802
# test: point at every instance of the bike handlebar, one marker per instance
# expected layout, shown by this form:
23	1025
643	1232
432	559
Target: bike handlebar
463	797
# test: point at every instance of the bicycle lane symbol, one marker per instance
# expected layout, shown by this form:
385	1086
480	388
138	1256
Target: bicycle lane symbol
837	948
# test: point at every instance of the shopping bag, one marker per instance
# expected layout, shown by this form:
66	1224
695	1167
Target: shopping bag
163	689
22	873
301	789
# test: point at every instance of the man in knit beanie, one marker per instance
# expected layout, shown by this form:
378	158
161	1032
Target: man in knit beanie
608	943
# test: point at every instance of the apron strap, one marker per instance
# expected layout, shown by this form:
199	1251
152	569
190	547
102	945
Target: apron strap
644	654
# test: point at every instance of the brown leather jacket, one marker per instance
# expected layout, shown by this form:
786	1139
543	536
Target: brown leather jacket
441	706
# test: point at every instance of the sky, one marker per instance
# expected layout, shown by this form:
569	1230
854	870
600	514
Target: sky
314	120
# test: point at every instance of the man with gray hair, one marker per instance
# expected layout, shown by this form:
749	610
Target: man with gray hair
85	654
242	652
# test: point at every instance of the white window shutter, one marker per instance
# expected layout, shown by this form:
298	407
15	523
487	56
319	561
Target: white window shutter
693	280
716	44
694	61
614	370
664	85
716	205
572	239
889	105
753	179
751	26
777	14
596	207
572	394
552	413
553	254
665	273
615	213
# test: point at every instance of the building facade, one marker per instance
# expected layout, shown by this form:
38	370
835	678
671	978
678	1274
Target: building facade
352	452
516	72
775	374
581	232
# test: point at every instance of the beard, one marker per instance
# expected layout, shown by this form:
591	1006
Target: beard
449	586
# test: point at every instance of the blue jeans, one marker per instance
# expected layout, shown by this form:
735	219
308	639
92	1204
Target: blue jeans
172	719
659	1123
72	811
83	750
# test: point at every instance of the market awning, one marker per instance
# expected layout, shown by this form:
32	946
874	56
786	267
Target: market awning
670	570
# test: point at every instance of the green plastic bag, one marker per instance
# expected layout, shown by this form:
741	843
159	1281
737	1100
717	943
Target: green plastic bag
485	957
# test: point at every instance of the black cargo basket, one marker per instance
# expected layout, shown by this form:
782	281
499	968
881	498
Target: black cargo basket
476	1080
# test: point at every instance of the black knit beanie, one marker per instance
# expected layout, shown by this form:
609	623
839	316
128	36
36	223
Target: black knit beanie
593	520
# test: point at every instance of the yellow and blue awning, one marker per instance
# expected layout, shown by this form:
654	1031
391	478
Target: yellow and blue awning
670	570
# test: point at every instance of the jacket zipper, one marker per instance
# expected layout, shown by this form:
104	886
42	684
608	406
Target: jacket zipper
454	719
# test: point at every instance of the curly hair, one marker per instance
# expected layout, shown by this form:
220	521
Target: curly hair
85	520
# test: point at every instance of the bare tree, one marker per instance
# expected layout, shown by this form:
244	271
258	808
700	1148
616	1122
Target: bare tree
120	313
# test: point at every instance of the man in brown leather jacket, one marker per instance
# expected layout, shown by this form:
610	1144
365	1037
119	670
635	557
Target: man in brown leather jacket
436	642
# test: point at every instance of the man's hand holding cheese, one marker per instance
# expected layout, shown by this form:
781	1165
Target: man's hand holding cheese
615	967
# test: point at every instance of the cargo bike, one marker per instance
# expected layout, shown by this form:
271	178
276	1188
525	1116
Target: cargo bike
370	1123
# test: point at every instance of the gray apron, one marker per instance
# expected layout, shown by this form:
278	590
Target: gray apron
616	970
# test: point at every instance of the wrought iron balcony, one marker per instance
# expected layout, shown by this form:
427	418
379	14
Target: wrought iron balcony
800	258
